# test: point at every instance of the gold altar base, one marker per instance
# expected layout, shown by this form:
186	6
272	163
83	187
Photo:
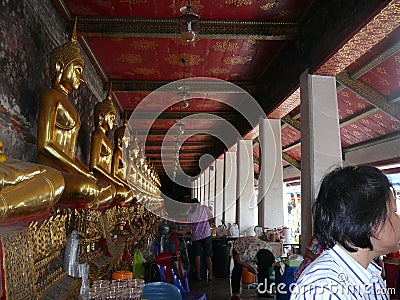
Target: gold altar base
32	248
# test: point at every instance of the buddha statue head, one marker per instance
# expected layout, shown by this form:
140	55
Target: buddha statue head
121	135
66	65
104	113
134	152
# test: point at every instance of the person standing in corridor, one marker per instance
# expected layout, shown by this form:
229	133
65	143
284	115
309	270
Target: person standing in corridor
199	219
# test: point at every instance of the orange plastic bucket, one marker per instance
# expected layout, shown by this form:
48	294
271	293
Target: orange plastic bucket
122	275
247	277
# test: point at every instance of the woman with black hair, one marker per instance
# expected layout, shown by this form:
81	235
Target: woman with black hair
355	221
257	256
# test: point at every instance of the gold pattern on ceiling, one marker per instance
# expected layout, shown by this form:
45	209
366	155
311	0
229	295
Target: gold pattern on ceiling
191	59
134	1
286	106
239	3
288	14
376	30
182	75
82	9
145	71
218	71
103	3
130	58
144	45
225	46
236	60
267	6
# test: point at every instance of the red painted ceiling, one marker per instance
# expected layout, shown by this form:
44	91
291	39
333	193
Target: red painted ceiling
140	61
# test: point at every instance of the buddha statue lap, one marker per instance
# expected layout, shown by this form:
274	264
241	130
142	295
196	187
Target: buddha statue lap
26	189
101	150
58	127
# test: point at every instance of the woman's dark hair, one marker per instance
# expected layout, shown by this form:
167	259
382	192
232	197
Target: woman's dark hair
265	258
351	204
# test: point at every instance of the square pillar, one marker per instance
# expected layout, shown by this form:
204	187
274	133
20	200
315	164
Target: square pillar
320	141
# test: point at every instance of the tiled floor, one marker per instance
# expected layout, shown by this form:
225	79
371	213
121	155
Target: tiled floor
219	289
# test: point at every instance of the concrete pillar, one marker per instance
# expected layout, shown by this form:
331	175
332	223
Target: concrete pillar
192	188
206	186
201	198
219	190
246	207
230	187
196	187
211	199
272	207
320	141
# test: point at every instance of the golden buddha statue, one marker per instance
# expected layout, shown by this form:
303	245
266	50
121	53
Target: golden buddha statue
26	188
133	152
58	127
101	150
119	166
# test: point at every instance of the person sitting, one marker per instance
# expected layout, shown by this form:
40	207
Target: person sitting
45	186
257	256
101	150
355	221
58	127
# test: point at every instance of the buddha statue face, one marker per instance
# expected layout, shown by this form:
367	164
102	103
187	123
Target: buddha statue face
109	120
72	74
105	114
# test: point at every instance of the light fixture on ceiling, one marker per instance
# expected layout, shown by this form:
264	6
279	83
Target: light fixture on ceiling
184	90
184	93
189	22
180	127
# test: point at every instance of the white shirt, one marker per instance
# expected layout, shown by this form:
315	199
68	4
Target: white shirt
336	275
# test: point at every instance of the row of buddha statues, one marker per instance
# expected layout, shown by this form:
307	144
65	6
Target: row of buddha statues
58	176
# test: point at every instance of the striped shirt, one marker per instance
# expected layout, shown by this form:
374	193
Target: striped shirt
336	275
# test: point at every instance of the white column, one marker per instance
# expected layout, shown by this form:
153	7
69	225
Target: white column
272	207
230	187
206	186
246	206
219	190
201	198
192	188
211	200
320	141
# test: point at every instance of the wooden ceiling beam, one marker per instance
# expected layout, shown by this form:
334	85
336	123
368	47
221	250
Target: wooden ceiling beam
194	115
292	122
169	28
196	86
202	144
294	162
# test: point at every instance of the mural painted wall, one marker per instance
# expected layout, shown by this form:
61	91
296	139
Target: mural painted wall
29	30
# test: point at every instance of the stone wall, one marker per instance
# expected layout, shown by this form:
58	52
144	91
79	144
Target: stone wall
29	30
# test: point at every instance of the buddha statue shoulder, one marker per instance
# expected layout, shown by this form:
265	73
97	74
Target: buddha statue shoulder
45	186
58	127
101	150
